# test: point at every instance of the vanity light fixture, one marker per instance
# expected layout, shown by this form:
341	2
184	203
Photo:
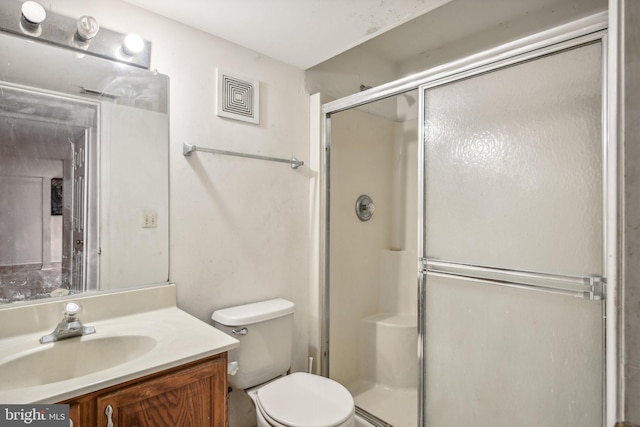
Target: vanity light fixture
133	44
33	14
87	28
29	19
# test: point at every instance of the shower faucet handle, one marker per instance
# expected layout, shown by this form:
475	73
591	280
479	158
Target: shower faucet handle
371	207
365	207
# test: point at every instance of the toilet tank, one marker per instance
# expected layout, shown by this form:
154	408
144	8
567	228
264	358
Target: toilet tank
265	348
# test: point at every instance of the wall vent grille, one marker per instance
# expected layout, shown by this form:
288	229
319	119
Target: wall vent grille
238	98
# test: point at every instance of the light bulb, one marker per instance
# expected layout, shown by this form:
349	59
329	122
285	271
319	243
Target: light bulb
133	44
87	27
33	13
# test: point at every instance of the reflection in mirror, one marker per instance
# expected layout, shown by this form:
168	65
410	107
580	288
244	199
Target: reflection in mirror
46	151
83	166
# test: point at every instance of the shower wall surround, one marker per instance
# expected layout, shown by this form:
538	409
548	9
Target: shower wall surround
373	300
360	165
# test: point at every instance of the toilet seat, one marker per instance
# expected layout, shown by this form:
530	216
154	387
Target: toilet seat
270	422
305	400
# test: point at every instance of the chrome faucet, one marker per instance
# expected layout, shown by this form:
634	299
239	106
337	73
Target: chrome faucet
70	326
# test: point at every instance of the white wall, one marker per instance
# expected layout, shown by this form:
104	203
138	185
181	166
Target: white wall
21	230
129	253
56	238
238	227
28	225
343	74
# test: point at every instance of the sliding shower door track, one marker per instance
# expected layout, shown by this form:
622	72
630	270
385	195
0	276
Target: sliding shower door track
371	419
588	287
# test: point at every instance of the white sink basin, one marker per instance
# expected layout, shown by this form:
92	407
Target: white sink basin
71	358
138	332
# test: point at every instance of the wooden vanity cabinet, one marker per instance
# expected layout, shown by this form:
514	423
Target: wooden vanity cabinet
191	395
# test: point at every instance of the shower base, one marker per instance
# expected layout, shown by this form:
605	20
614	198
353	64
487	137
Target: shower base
396	406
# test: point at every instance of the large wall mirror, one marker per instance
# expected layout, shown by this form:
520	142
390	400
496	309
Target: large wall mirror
83	173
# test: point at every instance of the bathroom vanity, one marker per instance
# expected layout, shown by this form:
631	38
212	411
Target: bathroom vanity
147	364
194	394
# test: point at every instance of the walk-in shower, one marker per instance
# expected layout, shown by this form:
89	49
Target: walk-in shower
475	295
373	263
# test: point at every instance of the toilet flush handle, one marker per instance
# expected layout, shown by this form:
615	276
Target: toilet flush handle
243	331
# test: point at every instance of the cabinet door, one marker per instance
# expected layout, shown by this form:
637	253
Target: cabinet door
82	410
192	397
74	414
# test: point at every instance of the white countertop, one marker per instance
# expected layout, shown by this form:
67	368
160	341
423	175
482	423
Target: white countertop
179	338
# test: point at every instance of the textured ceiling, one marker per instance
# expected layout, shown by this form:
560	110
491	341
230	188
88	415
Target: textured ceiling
302	33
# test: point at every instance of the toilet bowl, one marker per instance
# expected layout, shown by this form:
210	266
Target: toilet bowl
303	400
265	332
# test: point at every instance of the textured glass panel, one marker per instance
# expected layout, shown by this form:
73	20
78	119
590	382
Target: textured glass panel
513	166
504	357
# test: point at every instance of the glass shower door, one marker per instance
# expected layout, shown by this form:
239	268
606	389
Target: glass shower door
513	244
373	257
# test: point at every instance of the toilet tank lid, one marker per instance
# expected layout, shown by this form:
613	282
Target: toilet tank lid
253	313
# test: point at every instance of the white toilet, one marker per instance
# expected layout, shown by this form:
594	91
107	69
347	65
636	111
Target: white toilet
265	332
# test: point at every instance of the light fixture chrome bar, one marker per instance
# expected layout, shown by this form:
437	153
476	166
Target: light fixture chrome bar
187	149
60	30
98	93
589	287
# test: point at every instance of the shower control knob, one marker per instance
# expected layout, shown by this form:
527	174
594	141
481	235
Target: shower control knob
371	207
365	208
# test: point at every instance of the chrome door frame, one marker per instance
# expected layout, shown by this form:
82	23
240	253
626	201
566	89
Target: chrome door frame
579	32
